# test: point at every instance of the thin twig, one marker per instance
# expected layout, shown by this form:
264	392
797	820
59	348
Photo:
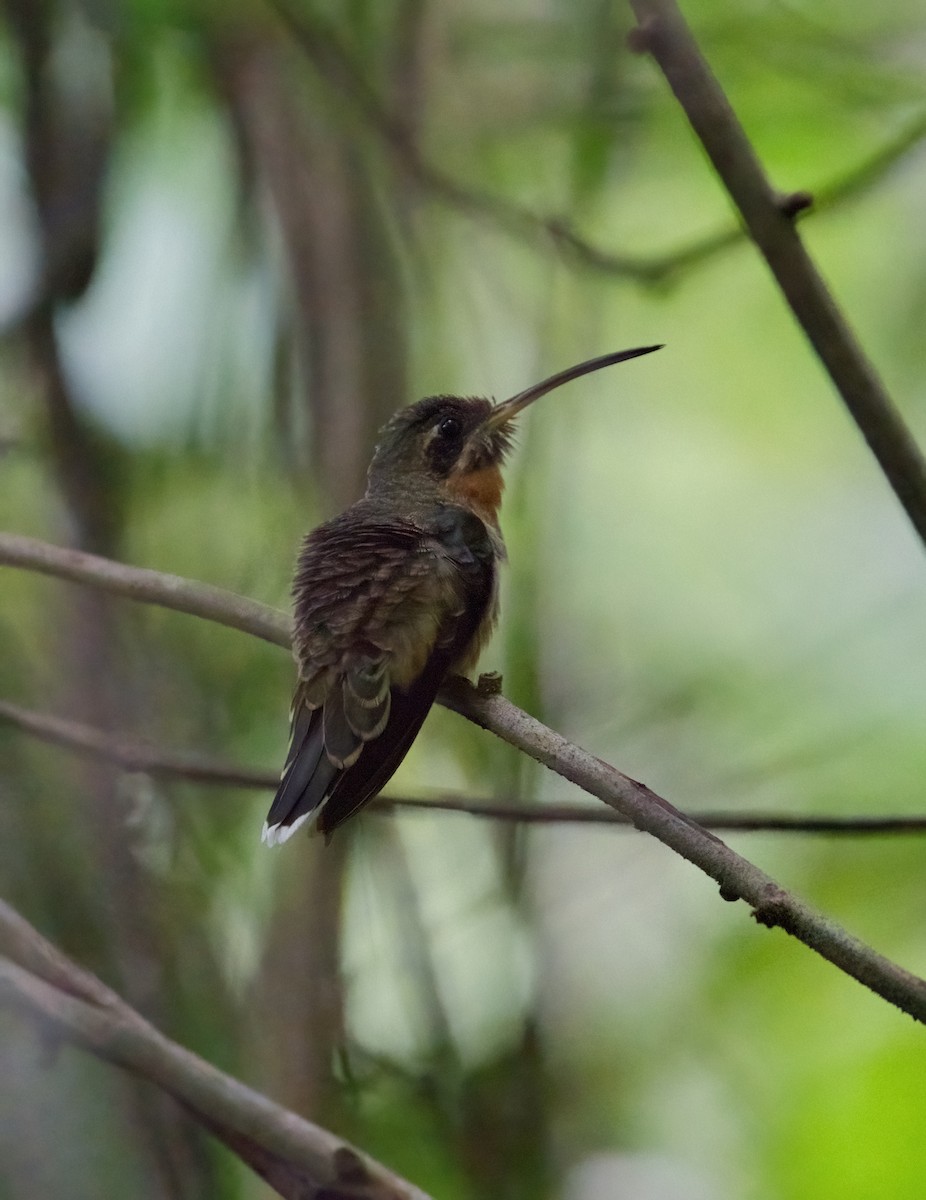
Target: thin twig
738	878
296	1157
334	62
135	754
715	819
871	170
663	32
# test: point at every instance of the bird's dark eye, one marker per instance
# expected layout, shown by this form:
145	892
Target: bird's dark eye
449	429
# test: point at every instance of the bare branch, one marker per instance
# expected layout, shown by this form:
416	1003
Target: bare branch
296	1157
738	878
135	754
336	65
663	32
871	170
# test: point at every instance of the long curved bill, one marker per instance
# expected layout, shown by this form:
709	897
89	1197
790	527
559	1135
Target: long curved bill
508	409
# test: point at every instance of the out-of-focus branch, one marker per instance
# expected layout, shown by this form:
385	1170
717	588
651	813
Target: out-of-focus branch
872	169
349	334
134	754
738	878
407	58
297	1158
663	32
334	62
68	124
66	146
715	819
307	174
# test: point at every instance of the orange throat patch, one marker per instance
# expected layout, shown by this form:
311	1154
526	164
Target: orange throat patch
480	491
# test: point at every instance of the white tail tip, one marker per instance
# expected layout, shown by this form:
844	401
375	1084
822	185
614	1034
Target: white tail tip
276	835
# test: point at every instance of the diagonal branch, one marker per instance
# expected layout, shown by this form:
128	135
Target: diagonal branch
738	878
663	32
297	1158
135	754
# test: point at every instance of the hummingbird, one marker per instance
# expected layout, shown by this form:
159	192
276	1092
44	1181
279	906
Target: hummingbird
395	594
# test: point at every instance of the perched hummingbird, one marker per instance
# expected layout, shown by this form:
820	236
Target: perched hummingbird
393	595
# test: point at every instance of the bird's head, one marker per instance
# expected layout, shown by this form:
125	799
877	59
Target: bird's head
454	446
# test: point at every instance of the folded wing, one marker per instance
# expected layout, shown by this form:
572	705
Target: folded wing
383	612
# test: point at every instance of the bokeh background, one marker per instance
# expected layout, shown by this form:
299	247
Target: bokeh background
234	238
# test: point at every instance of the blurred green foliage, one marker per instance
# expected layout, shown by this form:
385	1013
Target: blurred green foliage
238	269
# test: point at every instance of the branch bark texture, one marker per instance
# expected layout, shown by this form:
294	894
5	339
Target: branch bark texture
738	878
664	33
301	1161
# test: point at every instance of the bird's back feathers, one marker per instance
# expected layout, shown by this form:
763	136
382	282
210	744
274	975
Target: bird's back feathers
385	609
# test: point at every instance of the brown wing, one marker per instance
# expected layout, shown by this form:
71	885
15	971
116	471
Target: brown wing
383	611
